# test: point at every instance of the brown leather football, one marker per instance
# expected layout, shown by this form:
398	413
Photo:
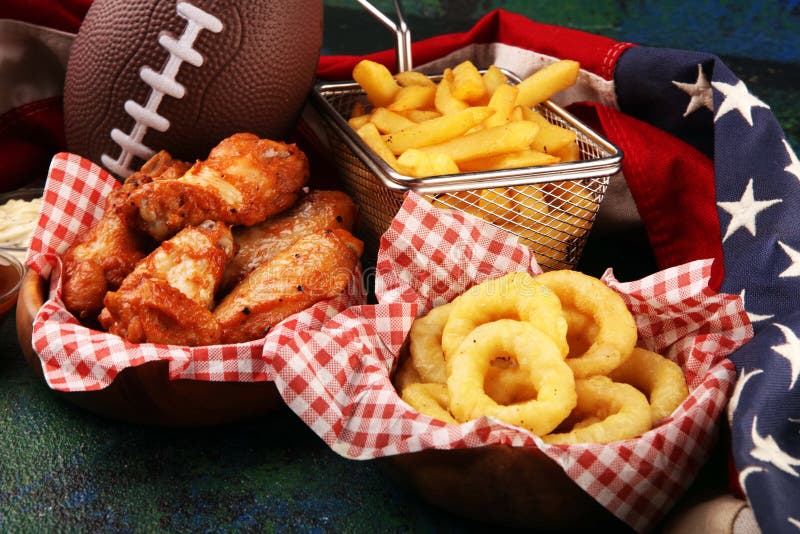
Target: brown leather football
182	75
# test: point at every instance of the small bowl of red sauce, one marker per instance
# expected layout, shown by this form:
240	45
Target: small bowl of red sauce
11	272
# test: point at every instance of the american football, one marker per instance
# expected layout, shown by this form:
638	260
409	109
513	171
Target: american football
180	75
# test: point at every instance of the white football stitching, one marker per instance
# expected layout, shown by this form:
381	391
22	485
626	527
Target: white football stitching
163	83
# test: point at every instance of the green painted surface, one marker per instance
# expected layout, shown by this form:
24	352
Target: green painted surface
64	469
764	29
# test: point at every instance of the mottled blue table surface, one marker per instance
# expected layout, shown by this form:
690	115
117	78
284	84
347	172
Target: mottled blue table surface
64	469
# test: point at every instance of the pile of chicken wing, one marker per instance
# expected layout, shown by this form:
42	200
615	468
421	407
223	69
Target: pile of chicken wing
218	251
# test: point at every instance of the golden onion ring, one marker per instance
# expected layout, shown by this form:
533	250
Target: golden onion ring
535	352
425	344
507	383
659	378
513	296
429	399
606	411
406	374
616	329
581	331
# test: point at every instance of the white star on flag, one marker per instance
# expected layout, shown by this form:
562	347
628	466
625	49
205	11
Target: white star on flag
743	213
789	350
738	98
700	91
794	166
746	472
744	378
794	268
767	450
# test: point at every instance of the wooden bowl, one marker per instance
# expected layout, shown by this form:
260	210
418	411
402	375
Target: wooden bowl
145	394
516	487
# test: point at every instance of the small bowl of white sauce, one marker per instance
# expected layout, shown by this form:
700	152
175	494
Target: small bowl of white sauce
19	213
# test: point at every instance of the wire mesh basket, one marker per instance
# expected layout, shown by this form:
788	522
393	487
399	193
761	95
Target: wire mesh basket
550	208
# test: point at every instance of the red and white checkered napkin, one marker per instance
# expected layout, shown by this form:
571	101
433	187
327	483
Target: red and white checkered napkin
336	375
77	358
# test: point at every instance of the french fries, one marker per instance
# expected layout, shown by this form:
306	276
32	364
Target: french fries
410	77
467	122
444	99
470	121
377	82
372	137
502	102
427	163
493	78
421	115
547	81
551	138
487	142
388	121
468	83
413	97
437	130
509	160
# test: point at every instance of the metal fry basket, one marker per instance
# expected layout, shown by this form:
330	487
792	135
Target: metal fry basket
550	208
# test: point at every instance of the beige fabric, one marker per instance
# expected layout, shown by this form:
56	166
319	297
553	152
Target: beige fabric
522	63
723	514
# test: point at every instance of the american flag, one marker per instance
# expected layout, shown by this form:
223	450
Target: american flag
756	179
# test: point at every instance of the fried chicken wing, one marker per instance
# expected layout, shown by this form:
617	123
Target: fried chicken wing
243	181
159	167
259	243
100	260
169	295
316	267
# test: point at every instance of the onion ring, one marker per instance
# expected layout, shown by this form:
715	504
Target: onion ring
607	411
512	296
616	329
535	352
429	399
659	378
581	331
426	344
406	374
507	383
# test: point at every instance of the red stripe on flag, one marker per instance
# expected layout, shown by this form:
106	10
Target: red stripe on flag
673	186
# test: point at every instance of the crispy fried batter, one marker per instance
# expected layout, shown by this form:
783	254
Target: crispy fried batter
110	249
168	296
243	181
259	243
159	167
316	267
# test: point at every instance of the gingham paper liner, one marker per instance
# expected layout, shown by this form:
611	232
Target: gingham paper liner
77	358
336	375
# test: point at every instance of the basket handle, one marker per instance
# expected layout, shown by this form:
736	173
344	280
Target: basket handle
401	30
